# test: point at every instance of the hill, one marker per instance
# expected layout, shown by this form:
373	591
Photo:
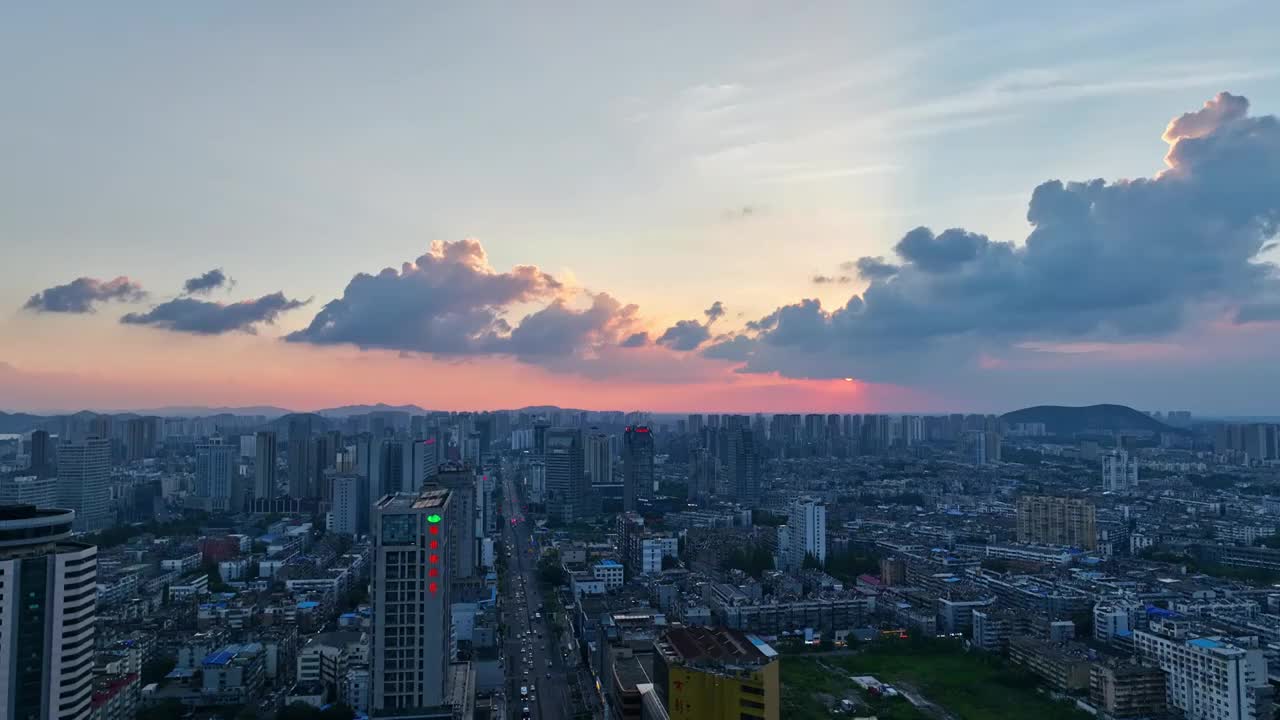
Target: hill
1066	420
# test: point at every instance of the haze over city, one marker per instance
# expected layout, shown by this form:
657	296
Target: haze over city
845	209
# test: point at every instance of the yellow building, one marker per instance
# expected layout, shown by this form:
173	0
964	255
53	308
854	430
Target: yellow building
716	674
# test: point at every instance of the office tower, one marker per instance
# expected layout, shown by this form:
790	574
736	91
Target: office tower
807	525
485	433
566	480
1208	678
1119	472
598	458
264	479
739	465
350	512
637	466
540	428
424	462
41	454
411	612
716	674
985	445
702	475
135	439
394	458
1057	521
460	480
695	425
47	609
101	426
300	457
324	459
83	472
215	475
41	492
537	481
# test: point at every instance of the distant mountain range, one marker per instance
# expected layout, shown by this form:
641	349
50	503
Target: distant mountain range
1065	420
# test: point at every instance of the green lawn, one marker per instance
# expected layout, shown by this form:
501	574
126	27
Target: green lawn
971	686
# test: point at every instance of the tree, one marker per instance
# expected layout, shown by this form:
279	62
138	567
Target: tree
811	562
670	561
156	668
164	710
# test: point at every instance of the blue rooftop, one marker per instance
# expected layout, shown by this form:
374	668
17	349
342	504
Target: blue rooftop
1205	643
609	563
308	605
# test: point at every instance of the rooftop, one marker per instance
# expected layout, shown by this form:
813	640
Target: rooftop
715	645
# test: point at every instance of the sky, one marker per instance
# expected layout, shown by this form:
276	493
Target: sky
736	207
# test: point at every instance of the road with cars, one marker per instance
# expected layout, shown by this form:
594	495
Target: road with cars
536	669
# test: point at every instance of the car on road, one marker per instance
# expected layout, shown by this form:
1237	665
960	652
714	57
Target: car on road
524	691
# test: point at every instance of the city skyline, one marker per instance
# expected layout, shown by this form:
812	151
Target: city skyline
783	218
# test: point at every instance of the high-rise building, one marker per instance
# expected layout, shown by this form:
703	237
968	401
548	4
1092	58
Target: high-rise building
1208	678
301	456
215	475
411	612
425	462
83	473
637	466
716	674
985	445
1119	472
566	480
41	492
41	454
1057	521
739	465
265	482
598	458
807	527
460	480
47	613
349	514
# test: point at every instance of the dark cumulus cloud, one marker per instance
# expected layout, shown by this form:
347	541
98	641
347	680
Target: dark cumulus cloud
80	295
832	279
1121	260
685	335
635	340
448	301
207	282
204	317
451	302
688	335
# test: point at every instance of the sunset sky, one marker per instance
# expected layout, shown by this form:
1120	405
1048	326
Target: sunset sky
746	207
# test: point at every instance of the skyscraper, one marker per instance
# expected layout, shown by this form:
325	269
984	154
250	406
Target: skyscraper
1119	472
350	511
264	479
411	614
637	466
598	458
1057	521
807	526
739	465
300	457
215	475
41	454
48	608
83	473
460	480
566	480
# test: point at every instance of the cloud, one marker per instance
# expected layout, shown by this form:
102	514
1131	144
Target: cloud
1105	261
561	330
80	295
685	335
940	253
831	280
635	340
448	301
872	268
202	317
744	212
207	282
715	312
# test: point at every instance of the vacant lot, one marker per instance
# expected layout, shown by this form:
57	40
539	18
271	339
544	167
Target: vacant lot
967	686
